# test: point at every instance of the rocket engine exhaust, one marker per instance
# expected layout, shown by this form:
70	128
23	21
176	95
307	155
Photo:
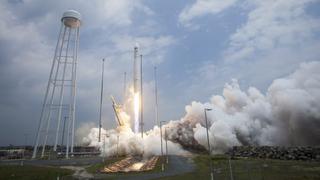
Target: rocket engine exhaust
136	87
287	115
136	104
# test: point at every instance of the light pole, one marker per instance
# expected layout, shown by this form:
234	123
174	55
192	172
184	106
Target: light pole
209	149
162	167
166	136
141	98
156	95
101	98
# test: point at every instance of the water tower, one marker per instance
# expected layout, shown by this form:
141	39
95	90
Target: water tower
58	109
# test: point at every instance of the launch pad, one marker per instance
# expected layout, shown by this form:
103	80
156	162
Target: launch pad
132	164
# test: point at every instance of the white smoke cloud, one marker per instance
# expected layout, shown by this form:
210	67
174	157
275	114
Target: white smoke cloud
123	140
289	114
82	132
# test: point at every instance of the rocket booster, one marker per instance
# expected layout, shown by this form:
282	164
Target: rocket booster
136	70
136	87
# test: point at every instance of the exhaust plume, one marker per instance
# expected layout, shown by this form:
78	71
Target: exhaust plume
287	115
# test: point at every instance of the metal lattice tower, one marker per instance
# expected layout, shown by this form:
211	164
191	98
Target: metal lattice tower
59	100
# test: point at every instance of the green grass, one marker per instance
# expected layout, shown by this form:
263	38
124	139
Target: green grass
32	172
251	169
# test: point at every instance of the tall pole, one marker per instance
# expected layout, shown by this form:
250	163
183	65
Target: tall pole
141	98
161	137
166	136
101	98
156	95
209	149
162	166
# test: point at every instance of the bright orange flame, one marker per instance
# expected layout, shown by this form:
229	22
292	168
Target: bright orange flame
136	107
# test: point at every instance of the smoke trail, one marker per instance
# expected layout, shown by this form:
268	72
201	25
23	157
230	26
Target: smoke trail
288	114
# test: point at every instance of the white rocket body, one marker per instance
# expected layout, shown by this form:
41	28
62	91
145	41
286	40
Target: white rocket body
136	70
136	84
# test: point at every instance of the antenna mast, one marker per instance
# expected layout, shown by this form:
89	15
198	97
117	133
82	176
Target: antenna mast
156	95
141	97
101	98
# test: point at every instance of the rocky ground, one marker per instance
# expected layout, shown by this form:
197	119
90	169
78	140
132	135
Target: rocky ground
276	152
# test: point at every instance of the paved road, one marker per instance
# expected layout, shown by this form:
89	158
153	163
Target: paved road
55	162
177	165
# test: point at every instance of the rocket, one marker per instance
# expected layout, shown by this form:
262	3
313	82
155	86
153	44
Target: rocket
137	87
136	70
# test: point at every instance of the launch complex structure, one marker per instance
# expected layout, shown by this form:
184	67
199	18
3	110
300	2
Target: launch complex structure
138	91
59	100
137	96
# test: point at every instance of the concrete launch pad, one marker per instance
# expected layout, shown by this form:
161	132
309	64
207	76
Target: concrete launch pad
131	163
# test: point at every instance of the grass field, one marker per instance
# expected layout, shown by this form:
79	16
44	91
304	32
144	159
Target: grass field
31	172
246	169
251	169
42	172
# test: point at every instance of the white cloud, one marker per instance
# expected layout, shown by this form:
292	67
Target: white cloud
95	13
149	45
201	8
272	25
111	13
277	36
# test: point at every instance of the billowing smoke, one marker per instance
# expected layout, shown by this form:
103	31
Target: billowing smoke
123	140
288	114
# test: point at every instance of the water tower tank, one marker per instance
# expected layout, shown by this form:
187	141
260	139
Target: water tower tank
71	18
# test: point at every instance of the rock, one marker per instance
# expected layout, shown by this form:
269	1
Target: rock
276	152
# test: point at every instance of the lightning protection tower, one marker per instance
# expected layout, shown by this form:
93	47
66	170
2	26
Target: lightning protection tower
59	99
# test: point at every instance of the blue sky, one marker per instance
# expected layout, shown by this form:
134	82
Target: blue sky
197	45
